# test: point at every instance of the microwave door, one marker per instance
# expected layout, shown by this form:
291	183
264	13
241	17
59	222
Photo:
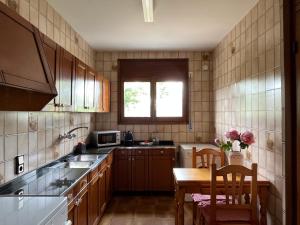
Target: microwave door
107	139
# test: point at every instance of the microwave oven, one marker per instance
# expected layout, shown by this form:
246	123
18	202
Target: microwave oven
106	138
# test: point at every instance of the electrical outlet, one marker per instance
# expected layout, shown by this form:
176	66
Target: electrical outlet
19	164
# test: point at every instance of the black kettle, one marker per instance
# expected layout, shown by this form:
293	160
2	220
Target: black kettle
128	139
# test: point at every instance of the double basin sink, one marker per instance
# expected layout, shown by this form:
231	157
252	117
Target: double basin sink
79	161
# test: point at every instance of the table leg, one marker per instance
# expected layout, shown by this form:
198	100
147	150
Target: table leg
263	194
181	194
179	205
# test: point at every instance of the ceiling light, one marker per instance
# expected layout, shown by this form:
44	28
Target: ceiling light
148	10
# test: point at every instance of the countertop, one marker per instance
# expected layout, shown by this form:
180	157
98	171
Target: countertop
47	181
29	210
51	181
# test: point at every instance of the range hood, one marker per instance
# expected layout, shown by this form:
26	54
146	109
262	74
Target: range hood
26	83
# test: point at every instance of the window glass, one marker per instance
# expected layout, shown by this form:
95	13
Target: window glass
137	99
169	99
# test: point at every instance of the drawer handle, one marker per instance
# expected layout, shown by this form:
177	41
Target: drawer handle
108	166
140	152
161	152
132	159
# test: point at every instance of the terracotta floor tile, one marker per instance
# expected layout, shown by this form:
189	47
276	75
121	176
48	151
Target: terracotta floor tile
143	210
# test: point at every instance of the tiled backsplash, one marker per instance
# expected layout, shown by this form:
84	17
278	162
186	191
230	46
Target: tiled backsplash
248	92
200	92
35	135
43	16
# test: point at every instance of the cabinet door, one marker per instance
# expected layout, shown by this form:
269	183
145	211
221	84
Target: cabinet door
89	87
72	215
102	190
94	214
108	183
106	95
52	53
160	173
80	71
66	75
82	210
122	174
139	173
99	93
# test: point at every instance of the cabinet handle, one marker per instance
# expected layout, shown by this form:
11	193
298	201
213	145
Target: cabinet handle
132	159
173	159
61	105
70	196
77	202
69	222
108	166
161	152
101	175
139	152
129	158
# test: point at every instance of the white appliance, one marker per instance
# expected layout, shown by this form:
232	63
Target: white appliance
186	153
106	138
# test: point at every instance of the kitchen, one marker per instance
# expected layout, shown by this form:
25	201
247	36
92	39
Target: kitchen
216	67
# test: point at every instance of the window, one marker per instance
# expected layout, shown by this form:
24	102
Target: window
153	91
137	99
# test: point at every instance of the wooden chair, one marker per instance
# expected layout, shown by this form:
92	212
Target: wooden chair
207	157
234	209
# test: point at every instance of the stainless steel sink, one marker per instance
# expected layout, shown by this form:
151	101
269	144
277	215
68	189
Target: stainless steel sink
73	164
85	158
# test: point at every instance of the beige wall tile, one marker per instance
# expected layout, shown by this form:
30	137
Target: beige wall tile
10	147
11	125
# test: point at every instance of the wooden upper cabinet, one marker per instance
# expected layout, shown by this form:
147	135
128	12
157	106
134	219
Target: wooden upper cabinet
98	93
52	52
66	76
80	71
27	83
89	87
106	95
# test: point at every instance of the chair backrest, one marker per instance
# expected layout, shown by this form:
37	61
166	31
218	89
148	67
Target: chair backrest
207	157
234	189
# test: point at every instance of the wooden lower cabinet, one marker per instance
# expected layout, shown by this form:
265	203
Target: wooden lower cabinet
94	193
83	209
144	170
102	191
109	178
88	199
139	172
160	173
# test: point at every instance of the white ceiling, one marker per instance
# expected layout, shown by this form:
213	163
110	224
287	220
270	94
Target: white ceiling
178	24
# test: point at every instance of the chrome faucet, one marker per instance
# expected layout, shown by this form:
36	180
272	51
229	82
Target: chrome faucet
69	134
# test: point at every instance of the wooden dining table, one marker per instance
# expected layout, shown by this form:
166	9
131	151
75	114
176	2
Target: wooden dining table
197	180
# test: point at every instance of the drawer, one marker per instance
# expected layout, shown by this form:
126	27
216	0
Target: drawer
162	152
109	158
122	152
140	152
70	197
102	165
81	186
93	174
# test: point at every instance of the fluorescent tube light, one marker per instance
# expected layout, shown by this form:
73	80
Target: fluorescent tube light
148	10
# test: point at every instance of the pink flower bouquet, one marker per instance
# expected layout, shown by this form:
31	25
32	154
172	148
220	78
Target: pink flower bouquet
246	138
